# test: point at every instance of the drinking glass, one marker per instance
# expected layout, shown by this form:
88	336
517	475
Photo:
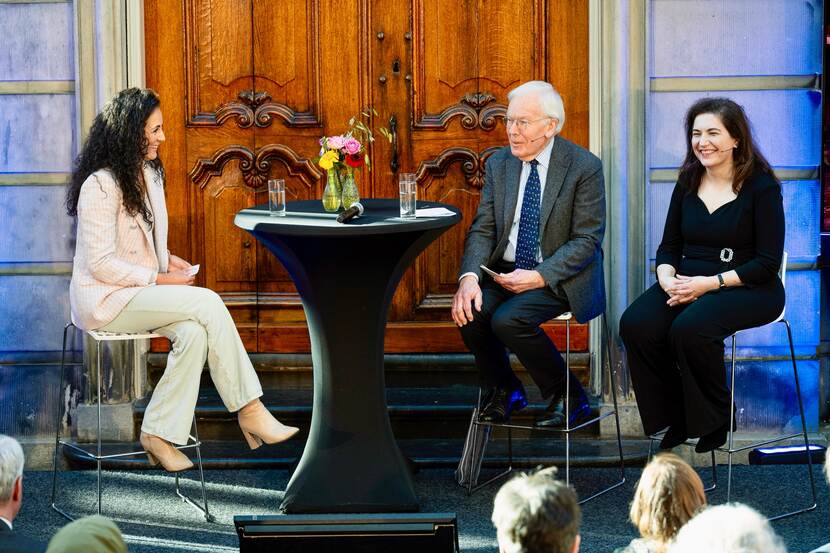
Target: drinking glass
408	194
276	197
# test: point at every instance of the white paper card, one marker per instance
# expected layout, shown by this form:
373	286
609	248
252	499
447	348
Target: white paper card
434	212
193	270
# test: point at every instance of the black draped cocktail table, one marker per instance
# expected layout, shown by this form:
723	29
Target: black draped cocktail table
346	275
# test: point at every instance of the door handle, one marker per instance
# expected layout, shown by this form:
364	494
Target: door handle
393	130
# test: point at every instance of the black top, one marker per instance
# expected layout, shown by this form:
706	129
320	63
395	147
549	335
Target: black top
307	218
751	225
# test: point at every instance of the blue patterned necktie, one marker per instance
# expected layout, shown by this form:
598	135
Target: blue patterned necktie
528	239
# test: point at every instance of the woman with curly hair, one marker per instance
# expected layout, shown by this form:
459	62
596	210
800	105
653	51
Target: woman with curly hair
668	495
124	279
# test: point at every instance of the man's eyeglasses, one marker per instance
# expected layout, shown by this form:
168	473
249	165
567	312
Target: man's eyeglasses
521	124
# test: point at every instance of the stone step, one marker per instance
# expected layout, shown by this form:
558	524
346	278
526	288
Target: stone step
434	413
424	452
283	371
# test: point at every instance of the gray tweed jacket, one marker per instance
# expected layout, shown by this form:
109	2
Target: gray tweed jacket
571	223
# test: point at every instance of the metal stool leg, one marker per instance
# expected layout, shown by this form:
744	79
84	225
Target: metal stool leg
731	434
612	379
100	387
197	445
612	374
58	418
731	449
568	402
803	430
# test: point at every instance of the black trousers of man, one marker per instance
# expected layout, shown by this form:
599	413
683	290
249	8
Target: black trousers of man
675	354
509	321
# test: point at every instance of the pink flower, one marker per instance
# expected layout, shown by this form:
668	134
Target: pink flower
335	142
351	146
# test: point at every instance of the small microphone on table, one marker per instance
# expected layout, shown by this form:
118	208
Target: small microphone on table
355	211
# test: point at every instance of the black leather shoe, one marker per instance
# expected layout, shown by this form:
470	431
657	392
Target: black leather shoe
715	439
674	436
554	416
504	403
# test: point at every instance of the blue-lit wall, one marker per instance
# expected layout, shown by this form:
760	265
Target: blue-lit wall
36	146
745	38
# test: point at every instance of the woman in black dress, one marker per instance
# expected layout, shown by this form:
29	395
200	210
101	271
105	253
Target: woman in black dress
717	272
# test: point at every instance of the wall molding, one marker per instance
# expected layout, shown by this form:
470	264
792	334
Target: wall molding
35	268
751	82
37	87
109	54
34	179
665	174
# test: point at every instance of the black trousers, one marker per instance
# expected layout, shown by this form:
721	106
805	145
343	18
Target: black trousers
511	321
675	354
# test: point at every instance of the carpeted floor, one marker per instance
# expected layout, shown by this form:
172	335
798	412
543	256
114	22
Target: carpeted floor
162	523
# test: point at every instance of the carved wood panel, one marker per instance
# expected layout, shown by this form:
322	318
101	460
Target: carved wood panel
249	86
252	72
458	73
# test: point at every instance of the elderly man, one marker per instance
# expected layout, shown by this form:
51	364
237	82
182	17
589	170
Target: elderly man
537	514
11	497
539	229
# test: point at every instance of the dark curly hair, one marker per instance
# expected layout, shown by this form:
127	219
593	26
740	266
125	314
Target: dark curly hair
747	157
116	141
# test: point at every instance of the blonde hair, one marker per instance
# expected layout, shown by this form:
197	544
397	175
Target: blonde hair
669	494
535	513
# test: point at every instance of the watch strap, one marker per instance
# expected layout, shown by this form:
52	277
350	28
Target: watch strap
721	283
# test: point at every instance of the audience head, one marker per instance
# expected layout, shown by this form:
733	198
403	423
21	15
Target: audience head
536	513
95	534
732	528
11	477
745	156
669	494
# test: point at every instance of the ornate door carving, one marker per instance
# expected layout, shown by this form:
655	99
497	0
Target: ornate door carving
249	86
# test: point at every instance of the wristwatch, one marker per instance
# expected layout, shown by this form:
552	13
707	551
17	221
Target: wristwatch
721	283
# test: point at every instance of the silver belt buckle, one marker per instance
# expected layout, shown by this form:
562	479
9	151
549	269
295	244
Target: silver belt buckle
726	255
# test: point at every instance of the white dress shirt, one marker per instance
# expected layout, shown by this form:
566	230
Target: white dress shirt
8	523
543	158
542	168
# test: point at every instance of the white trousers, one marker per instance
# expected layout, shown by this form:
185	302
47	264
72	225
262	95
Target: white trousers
200	327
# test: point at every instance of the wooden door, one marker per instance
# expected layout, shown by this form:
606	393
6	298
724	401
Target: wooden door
249	86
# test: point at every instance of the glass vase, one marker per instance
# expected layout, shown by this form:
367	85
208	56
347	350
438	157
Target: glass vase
349	194
331	193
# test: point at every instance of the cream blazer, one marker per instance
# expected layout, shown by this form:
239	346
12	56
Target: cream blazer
116	254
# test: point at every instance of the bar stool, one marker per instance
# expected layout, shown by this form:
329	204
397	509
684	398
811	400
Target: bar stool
564	431
730	448
98	456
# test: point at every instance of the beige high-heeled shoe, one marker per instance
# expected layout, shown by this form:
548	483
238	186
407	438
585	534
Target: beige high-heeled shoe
161	451
259	426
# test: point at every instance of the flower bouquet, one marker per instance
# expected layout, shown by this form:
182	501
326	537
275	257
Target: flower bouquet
340	155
